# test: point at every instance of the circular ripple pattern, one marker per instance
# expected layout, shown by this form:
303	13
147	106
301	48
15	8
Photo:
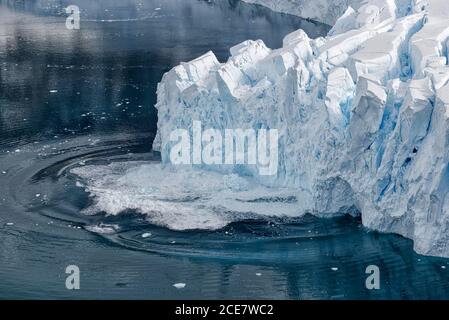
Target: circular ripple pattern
42	204
38	182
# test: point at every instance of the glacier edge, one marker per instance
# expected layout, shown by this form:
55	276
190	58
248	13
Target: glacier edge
362	114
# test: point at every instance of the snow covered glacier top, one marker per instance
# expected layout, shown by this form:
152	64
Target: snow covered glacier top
326	11
362	114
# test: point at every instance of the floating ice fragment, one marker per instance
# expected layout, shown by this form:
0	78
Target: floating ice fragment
179	285
334	268
146	235
103	228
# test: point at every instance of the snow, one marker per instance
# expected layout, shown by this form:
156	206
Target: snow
326	11
362	114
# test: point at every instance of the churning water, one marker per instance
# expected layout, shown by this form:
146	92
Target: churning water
80	185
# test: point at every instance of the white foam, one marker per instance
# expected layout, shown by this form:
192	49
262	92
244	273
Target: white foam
181	198
103	228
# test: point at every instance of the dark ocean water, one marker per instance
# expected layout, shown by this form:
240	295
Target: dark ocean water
75	97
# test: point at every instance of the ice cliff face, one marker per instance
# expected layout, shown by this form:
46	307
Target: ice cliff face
362	115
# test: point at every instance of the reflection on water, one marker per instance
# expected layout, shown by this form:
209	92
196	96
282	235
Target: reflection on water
103	77
71	98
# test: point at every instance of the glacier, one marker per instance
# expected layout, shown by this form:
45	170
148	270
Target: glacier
325	11
362	114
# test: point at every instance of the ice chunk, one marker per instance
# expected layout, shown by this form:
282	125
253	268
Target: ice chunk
294	37
338	94
384	56
103	228
428	44
345	23
366	115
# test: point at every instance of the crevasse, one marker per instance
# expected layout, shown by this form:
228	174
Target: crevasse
362	114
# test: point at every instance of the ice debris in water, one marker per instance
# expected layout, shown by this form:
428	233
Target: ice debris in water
146	235
181	198
103	228
362	115
179	285
79	184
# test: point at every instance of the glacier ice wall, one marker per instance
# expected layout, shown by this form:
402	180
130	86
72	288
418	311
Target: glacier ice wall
362	114
319	10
